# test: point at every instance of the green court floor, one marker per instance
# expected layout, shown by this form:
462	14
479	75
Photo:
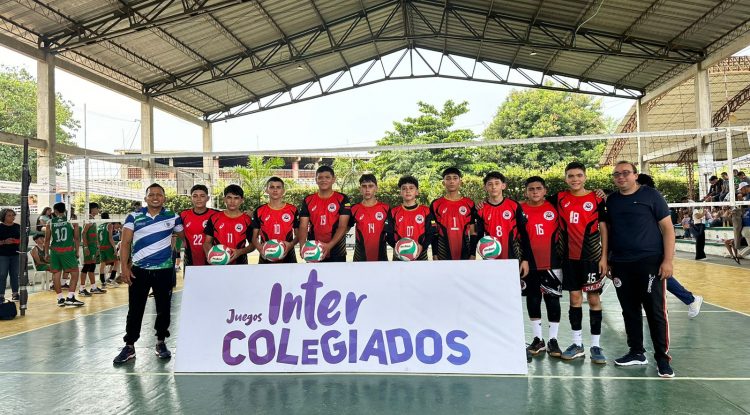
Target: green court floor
67	368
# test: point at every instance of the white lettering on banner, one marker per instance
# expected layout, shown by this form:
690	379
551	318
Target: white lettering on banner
450	317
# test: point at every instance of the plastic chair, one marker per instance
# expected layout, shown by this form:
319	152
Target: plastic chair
45	277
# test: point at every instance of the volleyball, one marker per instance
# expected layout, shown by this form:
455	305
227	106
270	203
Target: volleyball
312	251
218	255
407	249
273	250
490	248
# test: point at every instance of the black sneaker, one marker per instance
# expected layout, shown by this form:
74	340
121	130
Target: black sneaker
528	355
84	293
127	353
663	369
537	346
632	359
162	351
72	301
65	285
61	302
553	349
15	297
97	290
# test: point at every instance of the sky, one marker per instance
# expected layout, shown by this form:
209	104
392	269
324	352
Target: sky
355	117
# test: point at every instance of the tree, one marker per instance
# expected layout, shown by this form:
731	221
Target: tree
18	116
543	113
431	126
348	172
253	178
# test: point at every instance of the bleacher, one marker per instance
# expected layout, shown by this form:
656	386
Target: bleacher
715	237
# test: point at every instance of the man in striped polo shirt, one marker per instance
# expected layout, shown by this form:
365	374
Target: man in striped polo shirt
149	231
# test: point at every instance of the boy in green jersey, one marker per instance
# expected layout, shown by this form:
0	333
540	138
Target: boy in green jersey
61	241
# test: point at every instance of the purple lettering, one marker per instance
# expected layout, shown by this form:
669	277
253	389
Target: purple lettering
375	347
327	304
292	304
339	347
352	306
437	346
274	304
352	346
283	357
227	348
391	336
450	341
309	351
252	343
310	287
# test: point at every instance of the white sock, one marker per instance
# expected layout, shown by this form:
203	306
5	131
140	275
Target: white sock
71	295
553	327
577	338
59	296
595	340
536	328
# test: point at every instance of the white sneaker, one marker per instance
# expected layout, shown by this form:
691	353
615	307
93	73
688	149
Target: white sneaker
695	307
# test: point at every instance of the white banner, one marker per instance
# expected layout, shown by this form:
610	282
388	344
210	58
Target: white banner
421	317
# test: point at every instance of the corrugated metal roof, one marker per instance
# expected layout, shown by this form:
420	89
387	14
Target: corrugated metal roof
220	54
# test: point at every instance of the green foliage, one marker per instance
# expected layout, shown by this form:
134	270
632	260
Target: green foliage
113	205
253	178
431	126
176	203
348	172
543	113
18	116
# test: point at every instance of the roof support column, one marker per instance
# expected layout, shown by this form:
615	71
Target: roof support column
147	140
208	162
641	118
703	116
45	129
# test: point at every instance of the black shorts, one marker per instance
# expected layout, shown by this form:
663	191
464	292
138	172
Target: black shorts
542	282
88	268
335	259
582	276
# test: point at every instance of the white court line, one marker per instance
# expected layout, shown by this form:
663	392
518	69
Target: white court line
462	375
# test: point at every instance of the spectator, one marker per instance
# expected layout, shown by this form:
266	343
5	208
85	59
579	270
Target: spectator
715	217
42	220
741	177
686	222
714	192
726	185
10	240
699	231
726	216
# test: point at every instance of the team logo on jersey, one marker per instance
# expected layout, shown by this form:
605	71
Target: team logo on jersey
507	215
361	217
331	207
238	227
286	217
379	215
588	206
419	219
549	215
523	285
616	281
462	210
204	223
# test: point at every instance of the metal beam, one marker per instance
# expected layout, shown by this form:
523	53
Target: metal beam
227	67
130	18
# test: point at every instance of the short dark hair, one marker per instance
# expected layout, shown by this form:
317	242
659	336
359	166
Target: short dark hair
324	169
575	165
201	187
451	170
4	213
93	205
59	207
234	189
274	179
157	185
368	178
37	236
724	173
740	173
105	215
713	178
534	179
408	180
632	165
646	180
494	175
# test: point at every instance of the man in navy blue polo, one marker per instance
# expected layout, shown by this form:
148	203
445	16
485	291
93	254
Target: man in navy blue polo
641	249
149	231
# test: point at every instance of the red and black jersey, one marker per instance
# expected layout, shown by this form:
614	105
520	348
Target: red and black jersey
506	223
276	224
579	225
231	232
370	225
544	236
324	219
413	222
453	219
194	224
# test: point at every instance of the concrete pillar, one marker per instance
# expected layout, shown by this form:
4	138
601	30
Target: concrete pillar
295	168
703	117
641	118
147	140
209	170
45	129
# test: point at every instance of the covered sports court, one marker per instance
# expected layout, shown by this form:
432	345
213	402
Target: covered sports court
213	60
